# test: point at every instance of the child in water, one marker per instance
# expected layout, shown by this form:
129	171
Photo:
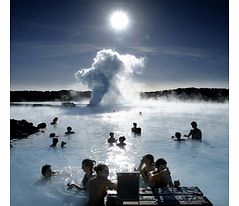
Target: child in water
87	167
178	137
46	171
99	185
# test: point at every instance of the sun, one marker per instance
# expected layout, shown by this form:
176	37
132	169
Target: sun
119	20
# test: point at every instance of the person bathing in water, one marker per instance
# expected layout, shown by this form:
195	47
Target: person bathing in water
177	137
69	131
121	142
99	185
87	167
112	139
54	121
135	129
194	133
46	171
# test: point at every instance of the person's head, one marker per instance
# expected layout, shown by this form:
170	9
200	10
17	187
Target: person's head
87	165
102	170
122	139
178	135
194	124
46	171
52	135
69	129
111	134
161	163
55	119
55	141
148	159
134	124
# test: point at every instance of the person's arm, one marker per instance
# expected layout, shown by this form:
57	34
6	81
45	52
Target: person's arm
140	165
73	185
111	185
189	134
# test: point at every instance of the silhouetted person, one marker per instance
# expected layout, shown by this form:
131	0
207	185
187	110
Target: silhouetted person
136	129
54	142
87	166
99	185
69	130
121	141
46	171
161	177
53	135
146	165
112	139
63	144
195	133
54	121
178	137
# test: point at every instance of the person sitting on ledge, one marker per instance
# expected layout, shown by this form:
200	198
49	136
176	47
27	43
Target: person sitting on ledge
136	129
46	171
87	166
69	130
121	141
146	166
54	142
99	185
160	177
178	137
112	139
195	132
54	121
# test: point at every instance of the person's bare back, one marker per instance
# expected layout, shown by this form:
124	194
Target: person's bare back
99	185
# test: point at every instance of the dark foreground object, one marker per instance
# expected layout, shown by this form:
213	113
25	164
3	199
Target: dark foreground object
183	196
20	129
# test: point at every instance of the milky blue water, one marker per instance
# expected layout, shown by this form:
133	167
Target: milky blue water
203	164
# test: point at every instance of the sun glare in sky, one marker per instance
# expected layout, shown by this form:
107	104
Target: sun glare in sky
119	20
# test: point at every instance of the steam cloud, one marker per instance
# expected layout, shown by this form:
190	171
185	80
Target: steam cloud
108	72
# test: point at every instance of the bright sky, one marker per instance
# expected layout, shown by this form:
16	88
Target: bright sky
185	42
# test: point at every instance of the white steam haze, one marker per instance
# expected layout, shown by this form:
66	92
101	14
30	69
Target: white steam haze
109	77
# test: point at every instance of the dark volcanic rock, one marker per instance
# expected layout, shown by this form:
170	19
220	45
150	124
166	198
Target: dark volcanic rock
20	129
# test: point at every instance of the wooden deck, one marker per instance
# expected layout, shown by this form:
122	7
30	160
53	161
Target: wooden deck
182	196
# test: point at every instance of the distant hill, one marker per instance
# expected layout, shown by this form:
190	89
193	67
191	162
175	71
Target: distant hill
45	96
190	94
182	94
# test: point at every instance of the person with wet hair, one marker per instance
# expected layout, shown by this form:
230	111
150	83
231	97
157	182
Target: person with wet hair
88	168
54	142
194	133
46	171
54	121
69	130
178	137
99	185
146	165
161	176
112	139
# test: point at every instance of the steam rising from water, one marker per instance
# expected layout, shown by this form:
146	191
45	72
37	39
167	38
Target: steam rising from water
109	76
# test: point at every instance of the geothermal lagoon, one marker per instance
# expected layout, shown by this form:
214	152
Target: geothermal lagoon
194	163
